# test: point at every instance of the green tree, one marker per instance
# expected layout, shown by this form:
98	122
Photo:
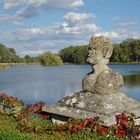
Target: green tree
50	59
6	56
116	56
12	50
80	54
74	54
27	59
134	46
66	54
125	54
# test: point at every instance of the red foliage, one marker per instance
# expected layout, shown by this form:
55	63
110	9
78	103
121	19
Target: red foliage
102	130
123	121
10	101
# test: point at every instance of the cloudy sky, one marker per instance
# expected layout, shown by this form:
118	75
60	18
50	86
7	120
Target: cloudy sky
34	26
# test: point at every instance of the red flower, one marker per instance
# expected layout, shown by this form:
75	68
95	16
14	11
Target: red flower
102	130
121	131
123	122
81	126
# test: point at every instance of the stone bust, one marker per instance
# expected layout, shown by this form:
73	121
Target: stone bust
102	79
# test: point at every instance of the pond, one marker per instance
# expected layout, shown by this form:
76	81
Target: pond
33	83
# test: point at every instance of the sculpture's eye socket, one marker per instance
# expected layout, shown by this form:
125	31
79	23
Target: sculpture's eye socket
89	49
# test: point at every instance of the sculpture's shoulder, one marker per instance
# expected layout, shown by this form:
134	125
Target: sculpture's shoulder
88	82
105	82
108	82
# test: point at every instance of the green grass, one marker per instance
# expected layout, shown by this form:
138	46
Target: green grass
9	130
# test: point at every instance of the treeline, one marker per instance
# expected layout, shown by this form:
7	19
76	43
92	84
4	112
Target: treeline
8	55
125	52
74	54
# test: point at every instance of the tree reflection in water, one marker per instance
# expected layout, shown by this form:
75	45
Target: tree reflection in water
132	80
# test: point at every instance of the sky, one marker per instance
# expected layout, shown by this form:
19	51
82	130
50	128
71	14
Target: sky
34	26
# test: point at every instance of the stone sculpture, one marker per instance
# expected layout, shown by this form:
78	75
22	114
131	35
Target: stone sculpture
100	94
102	79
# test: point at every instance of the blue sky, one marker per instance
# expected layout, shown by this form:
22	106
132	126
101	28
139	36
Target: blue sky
34	26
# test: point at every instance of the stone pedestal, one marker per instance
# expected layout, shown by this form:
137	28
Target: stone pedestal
86	105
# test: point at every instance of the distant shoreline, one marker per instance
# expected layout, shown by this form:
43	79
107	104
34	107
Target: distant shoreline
5	65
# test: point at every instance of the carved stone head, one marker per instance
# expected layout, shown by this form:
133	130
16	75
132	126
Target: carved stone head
100	48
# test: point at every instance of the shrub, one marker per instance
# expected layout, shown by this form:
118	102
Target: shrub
50	59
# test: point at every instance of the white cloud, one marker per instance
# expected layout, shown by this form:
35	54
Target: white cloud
27	12
74	23
129	23
73	18
79	24
81	29
9	4
64	4
37	2
36	33
31	8
77	3
7	18
110	35
119	35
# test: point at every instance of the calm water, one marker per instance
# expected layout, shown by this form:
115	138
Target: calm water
33	83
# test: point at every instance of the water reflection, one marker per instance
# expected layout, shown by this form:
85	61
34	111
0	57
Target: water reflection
132	80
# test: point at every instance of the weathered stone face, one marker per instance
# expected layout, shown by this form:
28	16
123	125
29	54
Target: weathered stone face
94	56
100	48
102	44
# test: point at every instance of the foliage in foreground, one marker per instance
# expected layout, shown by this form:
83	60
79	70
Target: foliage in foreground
9	130
19	121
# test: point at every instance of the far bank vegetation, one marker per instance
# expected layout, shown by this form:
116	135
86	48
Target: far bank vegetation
128	51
